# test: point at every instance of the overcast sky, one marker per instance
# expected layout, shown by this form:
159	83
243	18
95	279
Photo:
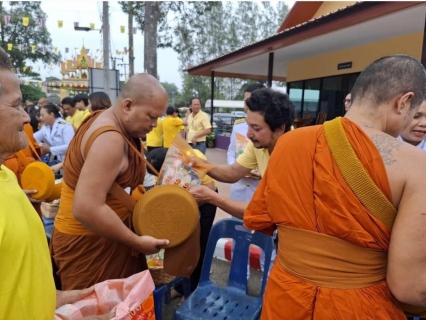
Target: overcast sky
86	12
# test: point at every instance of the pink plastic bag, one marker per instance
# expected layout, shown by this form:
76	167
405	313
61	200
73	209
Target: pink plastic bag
132	298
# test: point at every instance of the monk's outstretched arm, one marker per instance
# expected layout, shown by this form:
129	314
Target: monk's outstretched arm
104	162
406	274
205	195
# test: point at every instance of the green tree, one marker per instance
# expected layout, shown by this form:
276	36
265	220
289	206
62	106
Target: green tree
154	20
31	93
22	38
173	92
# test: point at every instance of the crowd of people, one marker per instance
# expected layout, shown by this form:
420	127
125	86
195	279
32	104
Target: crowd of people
344	199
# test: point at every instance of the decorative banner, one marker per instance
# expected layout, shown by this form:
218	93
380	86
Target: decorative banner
55	49
60	23
116	51
67	50
40	83
76	24
92	26
134	30
27	82
25	21
6	19
122	29
19	47
42	23
33	47
9	46
24	69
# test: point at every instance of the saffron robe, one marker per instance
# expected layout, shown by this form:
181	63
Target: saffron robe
303	188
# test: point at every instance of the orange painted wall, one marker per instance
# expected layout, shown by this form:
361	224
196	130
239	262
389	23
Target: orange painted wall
325	65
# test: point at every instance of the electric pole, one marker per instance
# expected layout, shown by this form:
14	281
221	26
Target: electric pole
105	23
131	53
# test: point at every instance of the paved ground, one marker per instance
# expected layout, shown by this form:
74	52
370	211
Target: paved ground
220	269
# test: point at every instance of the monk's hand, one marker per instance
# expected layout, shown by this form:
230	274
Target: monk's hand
45	148
71	296
29	193
201	194
151	245
254	175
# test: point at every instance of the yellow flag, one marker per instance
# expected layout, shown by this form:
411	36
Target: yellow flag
40	83
122	29
116	52
55	49
92	26
24	68
9	46
27	82
33	47
60	23
25	21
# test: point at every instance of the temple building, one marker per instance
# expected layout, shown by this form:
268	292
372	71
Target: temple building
75	75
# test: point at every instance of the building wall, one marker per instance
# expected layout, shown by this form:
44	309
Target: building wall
330	6
325	65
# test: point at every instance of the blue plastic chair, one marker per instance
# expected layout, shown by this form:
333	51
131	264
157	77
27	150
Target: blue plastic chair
210	301
162	293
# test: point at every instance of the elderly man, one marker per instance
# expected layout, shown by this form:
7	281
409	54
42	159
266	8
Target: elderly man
333	193
92	240
27	289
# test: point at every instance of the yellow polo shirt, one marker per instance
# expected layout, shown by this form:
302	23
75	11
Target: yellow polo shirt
155	137
76	119
171	127
27	289
86	113
197	124
253	158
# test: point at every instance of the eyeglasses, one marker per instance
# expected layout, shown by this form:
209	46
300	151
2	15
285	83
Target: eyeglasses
347	100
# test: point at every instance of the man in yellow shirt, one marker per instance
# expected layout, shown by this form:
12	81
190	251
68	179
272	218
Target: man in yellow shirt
154	139
27	289
81	102
74	116
199	126
270	114
172	124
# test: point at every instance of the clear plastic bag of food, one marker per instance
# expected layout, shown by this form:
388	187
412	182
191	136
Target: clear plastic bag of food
176	168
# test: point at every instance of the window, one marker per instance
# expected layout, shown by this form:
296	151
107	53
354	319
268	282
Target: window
311	97
296	95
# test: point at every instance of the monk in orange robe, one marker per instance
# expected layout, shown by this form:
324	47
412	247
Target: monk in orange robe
31	153
305	196
92	240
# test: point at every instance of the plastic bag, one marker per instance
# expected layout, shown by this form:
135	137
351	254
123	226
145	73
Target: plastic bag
176	169
156	259
131	297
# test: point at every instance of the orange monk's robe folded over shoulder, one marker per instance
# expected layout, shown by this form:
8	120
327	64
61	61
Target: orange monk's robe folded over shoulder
81	257
304	189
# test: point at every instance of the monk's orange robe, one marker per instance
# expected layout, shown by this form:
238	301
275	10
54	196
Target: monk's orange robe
13	163
82	258
32	152
303	188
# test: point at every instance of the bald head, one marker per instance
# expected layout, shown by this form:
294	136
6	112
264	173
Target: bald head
142	88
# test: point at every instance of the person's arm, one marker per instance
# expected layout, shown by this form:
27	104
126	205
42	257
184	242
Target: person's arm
203	194
102	165
406	273
230	154
201	134
68	134
228	173
38	135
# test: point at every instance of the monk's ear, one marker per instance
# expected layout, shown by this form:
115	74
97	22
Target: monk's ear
403	103
127	105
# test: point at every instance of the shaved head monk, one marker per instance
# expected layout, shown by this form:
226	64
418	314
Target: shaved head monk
92	240
348	201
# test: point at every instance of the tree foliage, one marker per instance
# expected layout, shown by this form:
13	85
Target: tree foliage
31	93
23	37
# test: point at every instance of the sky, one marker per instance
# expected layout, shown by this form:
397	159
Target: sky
86	12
